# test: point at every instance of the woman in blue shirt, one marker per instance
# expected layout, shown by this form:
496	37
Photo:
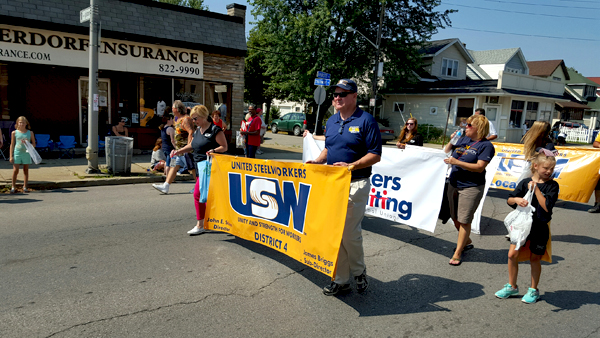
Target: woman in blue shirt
470	155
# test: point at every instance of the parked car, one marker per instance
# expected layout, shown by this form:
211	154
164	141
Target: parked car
292	123
387	134
569	125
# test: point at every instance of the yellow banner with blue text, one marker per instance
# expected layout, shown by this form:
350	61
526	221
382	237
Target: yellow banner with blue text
576	170
294	208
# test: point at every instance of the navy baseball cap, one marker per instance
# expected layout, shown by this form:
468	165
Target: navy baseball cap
347	84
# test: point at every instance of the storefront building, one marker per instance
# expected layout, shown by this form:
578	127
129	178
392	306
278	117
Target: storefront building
149	53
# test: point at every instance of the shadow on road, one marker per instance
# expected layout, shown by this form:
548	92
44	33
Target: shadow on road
412	293
440	246
570	300
18	200
576	239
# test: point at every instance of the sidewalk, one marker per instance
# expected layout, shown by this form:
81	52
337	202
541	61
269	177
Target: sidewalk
70	173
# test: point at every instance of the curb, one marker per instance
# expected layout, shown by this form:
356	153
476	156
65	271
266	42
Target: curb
101	181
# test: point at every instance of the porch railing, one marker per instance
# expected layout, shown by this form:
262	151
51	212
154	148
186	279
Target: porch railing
582	135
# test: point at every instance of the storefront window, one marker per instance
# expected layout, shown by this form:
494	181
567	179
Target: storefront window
213	95
155	96
531	113
516	113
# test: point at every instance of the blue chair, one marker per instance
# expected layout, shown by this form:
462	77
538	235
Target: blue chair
43	143
66	145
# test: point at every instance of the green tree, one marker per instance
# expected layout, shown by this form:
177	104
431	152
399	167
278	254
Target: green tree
196	4
255	78
300	37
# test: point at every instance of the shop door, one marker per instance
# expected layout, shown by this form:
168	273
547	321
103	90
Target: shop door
104	118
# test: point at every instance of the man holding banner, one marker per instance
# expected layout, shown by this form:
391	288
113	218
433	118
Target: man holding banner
352	139
596	207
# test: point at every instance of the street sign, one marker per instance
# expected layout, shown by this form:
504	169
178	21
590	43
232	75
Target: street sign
320	95
85	14
322	82
323	75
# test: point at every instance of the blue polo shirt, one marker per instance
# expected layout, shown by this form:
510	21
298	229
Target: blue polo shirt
359	135
467	150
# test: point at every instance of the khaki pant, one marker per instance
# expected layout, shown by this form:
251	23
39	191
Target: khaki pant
351	258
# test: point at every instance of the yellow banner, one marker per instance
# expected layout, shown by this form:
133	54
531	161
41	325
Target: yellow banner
576	170
294	208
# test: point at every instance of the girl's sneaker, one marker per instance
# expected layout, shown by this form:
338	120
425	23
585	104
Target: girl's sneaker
507	291
531	296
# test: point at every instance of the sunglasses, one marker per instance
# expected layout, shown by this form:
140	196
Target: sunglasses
194	118
410	124
469	125
342	94
341	130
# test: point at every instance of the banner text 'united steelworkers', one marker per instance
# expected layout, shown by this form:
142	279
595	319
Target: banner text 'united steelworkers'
296	209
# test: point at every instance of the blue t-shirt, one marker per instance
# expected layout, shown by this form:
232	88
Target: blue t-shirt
351	139
467	150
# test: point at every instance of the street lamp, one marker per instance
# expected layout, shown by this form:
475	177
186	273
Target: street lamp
352	30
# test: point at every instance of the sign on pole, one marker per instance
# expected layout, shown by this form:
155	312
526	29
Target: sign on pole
323	75
322	82
85	14
320	95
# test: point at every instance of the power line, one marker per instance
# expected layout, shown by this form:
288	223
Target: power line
528	13
587	1
529	35
542	5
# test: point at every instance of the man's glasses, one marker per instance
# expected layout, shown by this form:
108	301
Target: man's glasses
341	130
342	94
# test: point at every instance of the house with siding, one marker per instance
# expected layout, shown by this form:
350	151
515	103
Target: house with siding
503	87
586	89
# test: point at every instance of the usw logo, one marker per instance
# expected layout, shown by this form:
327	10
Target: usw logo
265	199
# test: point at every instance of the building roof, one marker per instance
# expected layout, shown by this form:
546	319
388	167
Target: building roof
546	68
138	20
474	72
571	104
576	78
494	56
595	79
486	87
435	47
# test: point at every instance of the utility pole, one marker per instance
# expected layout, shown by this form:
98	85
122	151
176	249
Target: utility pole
376	70
91	152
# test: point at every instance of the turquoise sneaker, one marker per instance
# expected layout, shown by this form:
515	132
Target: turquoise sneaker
507	291
531	296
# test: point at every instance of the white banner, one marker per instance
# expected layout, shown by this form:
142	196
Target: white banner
23	44
406	185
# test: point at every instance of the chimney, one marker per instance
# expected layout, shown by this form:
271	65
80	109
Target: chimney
237	10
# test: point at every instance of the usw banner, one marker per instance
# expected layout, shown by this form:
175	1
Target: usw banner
406	185
576	170
294	208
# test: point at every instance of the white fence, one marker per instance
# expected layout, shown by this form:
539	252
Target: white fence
582	135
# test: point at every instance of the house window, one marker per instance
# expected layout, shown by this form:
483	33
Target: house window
450	67
399	107
512	70
590	91
555	78
464	109
531	113
516	113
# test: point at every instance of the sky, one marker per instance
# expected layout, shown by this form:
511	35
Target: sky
543	29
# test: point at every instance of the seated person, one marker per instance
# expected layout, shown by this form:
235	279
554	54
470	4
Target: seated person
158	160
120	129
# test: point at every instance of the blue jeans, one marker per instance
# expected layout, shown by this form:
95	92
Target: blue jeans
251	151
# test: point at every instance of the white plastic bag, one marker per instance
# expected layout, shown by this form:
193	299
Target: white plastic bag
240	140
35	157
518	222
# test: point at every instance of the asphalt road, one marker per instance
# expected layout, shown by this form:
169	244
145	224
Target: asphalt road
115	261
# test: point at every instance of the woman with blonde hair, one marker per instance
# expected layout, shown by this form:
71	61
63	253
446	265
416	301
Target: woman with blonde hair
536	138
470	155
208	139
409	135
18	152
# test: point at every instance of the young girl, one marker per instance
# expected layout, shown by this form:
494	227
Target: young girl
537	246
157	162
18	151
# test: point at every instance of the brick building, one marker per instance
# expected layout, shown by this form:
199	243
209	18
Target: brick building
149	52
